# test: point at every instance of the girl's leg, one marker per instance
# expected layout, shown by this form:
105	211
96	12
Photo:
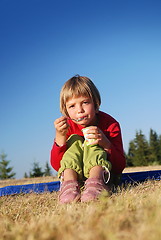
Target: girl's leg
95	161
70	174
95	166
71	170
72	158
96	172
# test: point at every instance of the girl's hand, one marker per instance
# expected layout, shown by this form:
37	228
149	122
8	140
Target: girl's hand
61	127
100	138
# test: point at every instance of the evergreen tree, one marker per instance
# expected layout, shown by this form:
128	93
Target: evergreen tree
5	171
47	171
154	147
25	175
159	141
142	150
131	154
36	171
138	154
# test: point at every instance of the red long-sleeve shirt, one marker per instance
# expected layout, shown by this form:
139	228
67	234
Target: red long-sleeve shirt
111	128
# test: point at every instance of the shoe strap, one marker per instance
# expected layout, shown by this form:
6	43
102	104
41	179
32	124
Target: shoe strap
105	173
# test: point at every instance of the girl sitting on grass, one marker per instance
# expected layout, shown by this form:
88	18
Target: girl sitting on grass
90	157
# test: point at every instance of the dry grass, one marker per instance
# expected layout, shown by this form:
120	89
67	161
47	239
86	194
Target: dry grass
132	213
140	169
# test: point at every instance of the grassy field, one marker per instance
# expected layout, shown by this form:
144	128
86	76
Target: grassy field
131	213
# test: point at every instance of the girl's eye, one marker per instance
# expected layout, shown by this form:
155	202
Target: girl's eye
85	102
71	106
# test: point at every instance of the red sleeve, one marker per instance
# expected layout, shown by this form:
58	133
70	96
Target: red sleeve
58	152
56	155
116	155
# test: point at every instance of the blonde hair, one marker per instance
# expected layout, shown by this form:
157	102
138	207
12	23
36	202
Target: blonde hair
79	86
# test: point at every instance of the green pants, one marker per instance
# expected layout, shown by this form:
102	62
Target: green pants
82	157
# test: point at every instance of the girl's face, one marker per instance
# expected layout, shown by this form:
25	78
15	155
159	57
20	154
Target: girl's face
81	110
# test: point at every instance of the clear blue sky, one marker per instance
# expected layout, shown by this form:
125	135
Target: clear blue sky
45	42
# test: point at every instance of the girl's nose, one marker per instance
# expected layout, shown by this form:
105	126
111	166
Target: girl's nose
80	109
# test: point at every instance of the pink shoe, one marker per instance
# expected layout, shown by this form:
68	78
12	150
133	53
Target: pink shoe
93	189
69	192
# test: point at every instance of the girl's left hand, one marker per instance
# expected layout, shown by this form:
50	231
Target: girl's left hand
95	133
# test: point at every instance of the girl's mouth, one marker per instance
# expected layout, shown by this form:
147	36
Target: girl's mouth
78	119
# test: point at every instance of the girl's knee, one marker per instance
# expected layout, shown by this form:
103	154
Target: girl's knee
74	138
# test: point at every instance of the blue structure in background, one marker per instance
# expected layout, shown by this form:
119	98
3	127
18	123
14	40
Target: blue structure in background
127	178
29	188
138	177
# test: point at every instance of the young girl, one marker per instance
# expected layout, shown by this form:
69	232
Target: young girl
88	155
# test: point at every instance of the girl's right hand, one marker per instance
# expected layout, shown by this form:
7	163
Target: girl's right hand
61	126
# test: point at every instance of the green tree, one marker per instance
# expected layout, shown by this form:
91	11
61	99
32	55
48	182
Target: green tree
159	140
131	154
36	171
154	147
142	152
5	170
47	171
138	154
25	175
